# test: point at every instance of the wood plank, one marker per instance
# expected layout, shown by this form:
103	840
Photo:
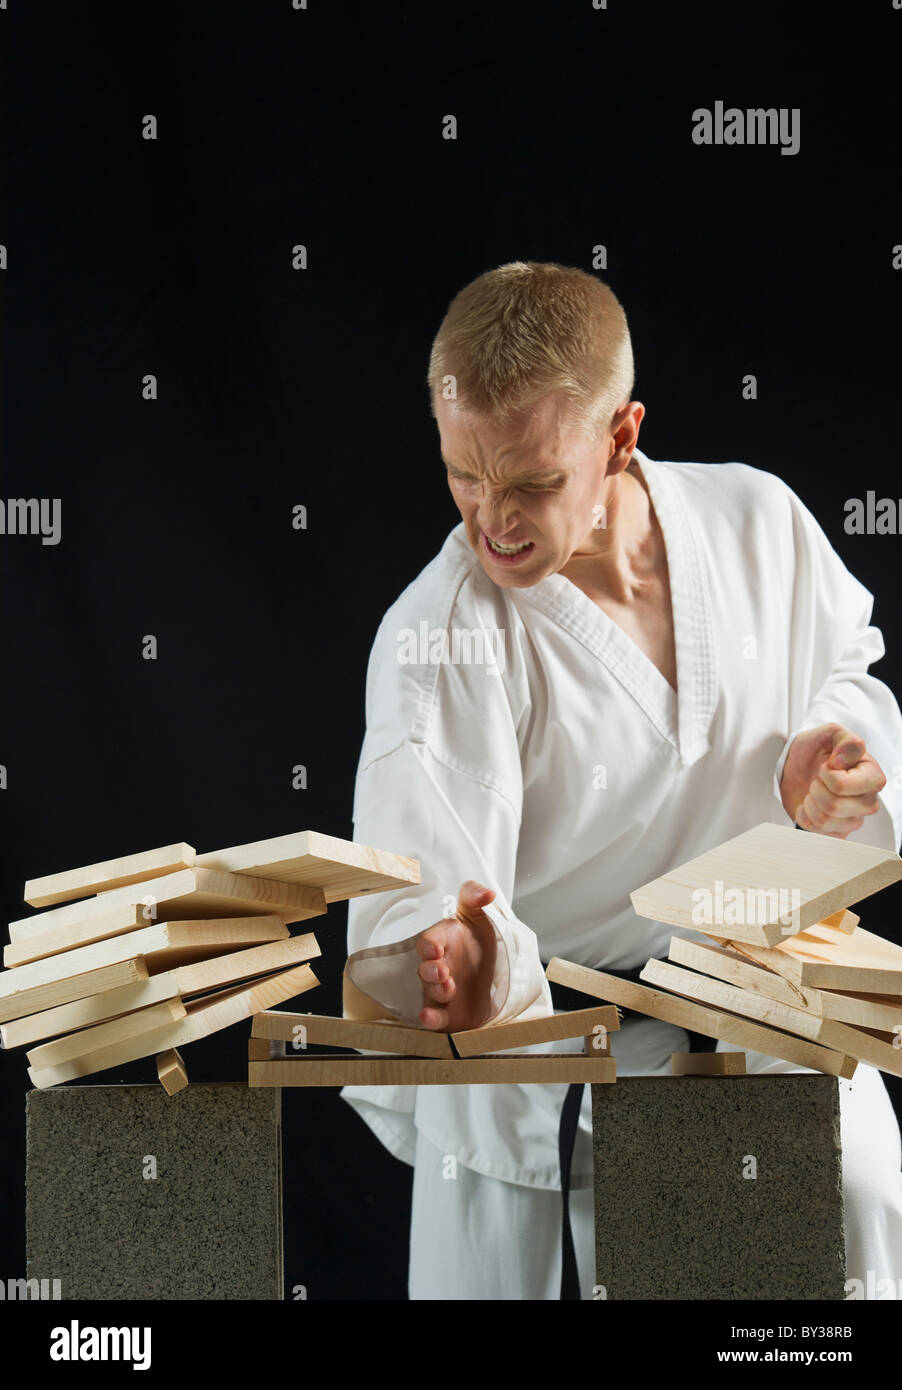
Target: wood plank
82	1013
128	1026
185	980
124	918
562	1067
203	1018
190	893
172	1071
698	1018
385	1035
857	964
708	1063
164	945
55	992
261	1049
108	874
853	1042
770	869
860	1010
341	868
578	1023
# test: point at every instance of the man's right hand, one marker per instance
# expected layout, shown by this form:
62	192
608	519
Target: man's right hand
457	964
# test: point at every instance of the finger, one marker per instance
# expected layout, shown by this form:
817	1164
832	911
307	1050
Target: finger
431	943
848	749
833	807
440	993
808	817
472	897
434	972
432	1017
867	776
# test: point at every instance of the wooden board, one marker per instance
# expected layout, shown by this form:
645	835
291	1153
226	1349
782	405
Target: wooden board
172	1071
562	1067
708	1063
203	1017
385	1035
825	959
110	873
121	919
185	980
128	1026
163	946
578	1023
826	873
55	992
824	1031
341	868
697	1018
863	1010
190	893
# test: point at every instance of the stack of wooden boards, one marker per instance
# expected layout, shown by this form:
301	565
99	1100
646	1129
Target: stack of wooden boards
139	955
278	1051
815	990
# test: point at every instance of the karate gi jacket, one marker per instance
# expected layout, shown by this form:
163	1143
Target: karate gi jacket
567	771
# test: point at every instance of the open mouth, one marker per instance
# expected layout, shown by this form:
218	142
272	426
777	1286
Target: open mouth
507	554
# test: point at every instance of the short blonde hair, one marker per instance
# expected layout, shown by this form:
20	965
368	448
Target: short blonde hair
527	328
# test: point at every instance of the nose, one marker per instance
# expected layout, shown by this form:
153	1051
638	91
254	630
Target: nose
496	513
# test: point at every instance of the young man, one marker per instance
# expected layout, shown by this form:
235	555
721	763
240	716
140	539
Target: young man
612	665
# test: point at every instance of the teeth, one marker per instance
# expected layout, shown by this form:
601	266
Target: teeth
507	549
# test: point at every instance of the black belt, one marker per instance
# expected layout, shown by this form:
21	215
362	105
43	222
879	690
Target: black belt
569	999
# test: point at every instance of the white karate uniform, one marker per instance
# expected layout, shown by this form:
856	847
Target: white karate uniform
564	776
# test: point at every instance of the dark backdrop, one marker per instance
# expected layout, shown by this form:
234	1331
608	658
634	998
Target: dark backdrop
281	387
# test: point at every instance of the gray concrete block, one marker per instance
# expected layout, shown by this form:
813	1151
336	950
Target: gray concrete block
675	1217
208	1225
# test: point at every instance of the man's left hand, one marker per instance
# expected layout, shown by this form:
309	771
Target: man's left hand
830	781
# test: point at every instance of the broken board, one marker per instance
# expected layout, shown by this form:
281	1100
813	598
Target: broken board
319	1029
341	868
578	1023
560	1067
111	873
203	1017
193	893
745	889
826	959
697	1018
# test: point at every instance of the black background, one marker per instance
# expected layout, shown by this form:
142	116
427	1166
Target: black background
280	387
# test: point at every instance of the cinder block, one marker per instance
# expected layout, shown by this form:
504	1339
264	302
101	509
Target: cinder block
134	1194
678	1214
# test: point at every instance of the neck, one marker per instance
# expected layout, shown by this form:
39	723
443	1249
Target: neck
617	559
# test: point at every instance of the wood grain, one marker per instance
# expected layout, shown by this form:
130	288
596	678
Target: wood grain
562	1067
108	874
341	868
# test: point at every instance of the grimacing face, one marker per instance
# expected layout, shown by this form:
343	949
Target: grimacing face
528	492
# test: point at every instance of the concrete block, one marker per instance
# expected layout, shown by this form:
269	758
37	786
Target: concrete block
719	1187
133	1194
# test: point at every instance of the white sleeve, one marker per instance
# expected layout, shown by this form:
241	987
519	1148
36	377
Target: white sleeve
833	644
459	826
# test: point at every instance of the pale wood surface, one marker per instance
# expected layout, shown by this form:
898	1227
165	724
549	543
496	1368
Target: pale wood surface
203	1017
828	873
862	1010
708	1063
385	1035
55	992
826	959
824	1031
163	945
341	868
117	1030
172	1071
579	1023
306	1070
698	1018
190	893
110	873
185	980
124	918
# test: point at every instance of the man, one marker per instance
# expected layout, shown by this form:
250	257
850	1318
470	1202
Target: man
667	654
